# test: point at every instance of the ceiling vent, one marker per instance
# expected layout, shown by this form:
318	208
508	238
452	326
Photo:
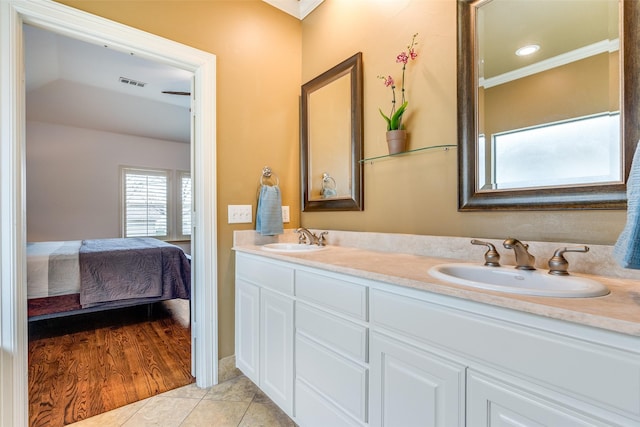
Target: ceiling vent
131	82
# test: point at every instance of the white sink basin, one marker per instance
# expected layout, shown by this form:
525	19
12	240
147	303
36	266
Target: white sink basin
292	248
524	282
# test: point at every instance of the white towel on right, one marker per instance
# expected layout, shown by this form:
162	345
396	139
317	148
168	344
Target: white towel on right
626	251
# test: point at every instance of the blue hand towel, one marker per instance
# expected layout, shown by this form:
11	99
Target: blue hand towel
269	215
626	251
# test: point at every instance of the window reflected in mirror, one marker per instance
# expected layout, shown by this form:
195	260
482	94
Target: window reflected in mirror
572	152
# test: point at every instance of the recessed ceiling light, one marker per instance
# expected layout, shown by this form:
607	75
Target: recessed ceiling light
527	50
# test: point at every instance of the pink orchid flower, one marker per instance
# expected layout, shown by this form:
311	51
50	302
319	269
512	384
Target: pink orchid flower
394	119
402	58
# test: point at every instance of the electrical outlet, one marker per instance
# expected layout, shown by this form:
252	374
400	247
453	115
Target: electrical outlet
239	214
285	214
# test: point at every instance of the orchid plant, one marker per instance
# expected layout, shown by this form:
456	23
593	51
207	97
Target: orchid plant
394	119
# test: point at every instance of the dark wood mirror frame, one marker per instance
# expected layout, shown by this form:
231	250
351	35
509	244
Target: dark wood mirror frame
583	197
352	66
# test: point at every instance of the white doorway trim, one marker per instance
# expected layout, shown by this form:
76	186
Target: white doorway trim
13	302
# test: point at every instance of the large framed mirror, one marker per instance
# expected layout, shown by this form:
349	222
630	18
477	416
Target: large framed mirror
556	129
331	138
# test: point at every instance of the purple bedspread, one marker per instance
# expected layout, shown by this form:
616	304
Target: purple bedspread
113	270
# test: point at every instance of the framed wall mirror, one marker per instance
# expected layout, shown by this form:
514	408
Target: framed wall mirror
555	129
331	138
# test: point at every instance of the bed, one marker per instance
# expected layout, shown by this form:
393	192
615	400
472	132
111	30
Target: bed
71	277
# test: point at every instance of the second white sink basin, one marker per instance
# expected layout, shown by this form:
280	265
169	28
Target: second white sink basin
524	282
292	248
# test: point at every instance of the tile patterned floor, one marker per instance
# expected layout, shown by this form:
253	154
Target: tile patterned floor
234	403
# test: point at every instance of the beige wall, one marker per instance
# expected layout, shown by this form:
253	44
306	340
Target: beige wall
417	193
265	55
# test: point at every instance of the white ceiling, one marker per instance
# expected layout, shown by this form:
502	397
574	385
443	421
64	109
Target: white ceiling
74	83
297	8
558	27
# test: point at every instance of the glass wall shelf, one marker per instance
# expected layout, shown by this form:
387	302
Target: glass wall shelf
445	147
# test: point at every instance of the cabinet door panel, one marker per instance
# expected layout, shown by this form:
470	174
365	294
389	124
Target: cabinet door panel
276	348
412	387
491	403
247	329
337	378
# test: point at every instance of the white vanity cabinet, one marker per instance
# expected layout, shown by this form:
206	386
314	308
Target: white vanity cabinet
337	350
264	327
521	370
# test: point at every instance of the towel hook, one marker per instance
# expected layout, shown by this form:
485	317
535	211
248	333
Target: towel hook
268	173
329	186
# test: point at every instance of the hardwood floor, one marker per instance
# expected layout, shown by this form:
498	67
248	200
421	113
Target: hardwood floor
83	365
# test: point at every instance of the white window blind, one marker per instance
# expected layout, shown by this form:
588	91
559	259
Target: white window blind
145	202
185	204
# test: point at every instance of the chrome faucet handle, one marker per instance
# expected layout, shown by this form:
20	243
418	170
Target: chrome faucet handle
558	264
491	257
322	240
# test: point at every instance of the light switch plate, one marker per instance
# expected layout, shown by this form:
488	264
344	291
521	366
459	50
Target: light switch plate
240	214
285	214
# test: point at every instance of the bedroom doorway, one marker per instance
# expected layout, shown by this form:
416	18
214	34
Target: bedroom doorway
13	320
84	123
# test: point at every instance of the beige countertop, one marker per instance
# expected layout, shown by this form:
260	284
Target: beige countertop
618	311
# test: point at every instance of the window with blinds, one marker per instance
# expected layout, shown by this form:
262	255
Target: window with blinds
156	203
146	203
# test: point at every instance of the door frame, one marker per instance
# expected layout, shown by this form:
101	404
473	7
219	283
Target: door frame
13	301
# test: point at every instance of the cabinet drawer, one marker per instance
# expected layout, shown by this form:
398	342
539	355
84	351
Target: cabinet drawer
341	381
313	410
269	275
346	337
336	294
593	373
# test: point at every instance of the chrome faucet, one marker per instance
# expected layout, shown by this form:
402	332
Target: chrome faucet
524	260
306	236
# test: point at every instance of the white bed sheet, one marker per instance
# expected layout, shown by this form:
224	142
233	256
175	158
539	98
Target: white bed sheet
53	268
